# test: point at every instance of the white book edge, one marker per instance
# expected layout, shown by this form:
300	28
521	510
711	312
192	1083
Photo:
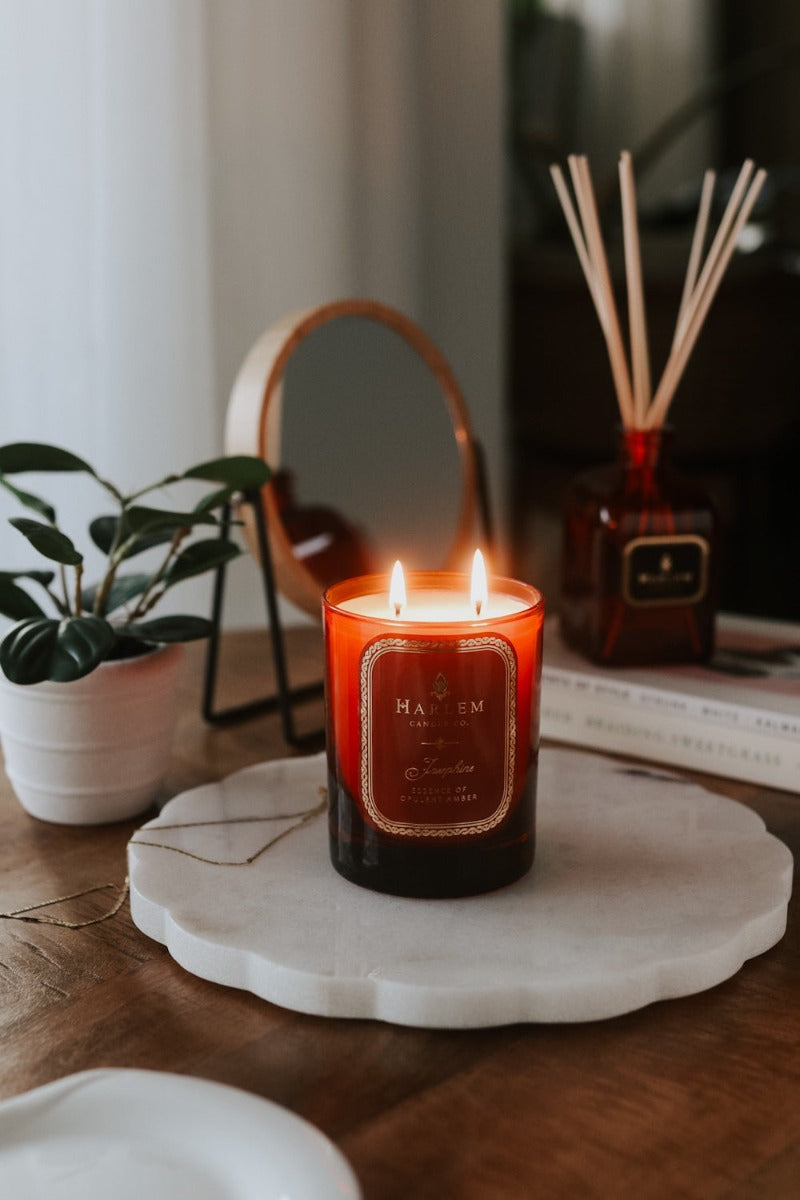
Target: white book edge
673	719
661	702
674	740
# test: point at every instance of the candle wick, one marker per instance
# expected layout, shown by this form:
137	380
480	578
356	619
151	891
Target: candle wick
397	610
478	607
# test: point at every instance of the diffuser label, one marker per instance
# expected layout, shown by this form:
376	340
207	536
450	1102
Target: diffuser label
661	571
438	734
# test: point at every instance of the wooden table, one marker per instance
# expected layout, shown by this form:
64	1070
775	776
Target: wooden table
698	1097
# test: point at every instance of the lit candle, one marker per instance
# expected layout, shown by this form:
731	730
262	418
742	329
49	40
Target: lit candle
478	586
432	690
432	600
397	590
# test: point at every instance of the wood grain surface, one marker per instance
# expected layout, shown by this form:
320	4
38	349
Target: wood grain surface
698	1097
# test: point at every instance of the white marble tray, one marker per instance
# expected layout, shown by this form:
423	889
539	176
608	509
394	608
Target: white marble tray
645	887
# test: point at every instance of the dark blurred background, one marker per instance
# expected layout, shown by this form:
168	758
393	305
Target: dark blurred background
714	84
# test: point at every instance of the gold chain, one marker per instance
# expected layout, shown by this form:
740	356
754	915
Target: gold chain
304	818
27	913
24	914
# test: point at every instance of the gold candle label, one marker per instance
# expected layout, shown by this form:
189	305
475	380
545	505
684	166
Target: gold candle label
665	570
438	734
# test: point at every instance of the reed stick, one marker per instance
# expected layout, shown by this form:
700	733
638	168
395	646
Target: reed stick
578	241
717	245
677	361
584	192
639	409
698	241
637	321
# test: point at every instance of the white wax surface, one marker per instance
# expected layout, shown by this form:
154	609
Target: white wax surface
433	605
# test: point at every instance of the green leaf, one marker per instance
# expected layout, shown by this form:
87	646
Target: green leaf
103	529
215	499
200	556
142	520
37	456
241	472
42	577
16	603
126	648
30	501
123	589
27	649
83	643
52	543
43	648
169	629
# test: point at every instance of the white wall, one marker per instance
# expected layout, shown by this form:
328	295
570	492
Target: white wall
178	174
105	316
464	204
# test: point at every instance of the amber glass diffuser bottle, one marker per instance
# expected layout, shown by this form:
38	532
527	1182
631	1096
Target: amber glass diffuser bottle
639	553
639	559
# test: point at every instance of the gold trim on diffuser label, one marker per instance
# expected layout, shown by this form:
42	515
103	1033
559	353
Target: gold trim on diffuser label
662	571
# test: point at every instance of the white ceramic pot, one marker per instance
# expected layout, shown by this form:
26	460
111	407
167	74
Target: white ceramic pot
94	750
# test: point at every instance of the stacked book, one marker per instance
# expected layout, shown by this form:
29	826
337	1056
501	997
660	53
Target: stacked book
739	716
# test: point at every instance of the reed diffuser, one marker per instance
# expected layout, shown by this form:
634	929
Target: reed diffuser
640	540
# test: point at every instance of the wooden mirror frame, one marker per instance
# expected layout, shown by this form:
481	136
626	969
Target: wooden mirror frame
253	427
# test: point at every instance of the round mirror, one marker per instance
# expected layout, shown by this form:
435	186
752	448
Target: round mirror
366	431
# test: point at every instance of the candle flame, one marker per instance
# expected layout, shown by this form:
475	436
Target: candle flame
397	590
479	589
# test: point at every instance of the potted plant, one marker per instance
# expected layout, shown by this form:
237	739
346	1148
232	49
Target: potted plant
89	677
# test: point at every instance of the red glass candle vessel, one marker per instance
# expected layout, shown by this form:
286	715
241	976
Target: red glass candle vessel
432	733
639	559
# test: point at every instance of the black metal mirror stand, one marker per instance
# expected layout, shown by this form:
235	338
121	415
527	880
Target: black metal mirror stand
285	697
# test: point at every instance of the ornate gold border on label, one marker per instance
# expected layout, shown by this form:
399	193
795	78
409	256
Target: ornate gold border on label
666	540
370	656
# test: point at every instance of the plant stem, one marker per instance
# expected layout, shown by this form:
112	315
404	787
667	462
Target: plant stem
115	557
78	580
152	487
64	588
147	599
57	602
111	489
